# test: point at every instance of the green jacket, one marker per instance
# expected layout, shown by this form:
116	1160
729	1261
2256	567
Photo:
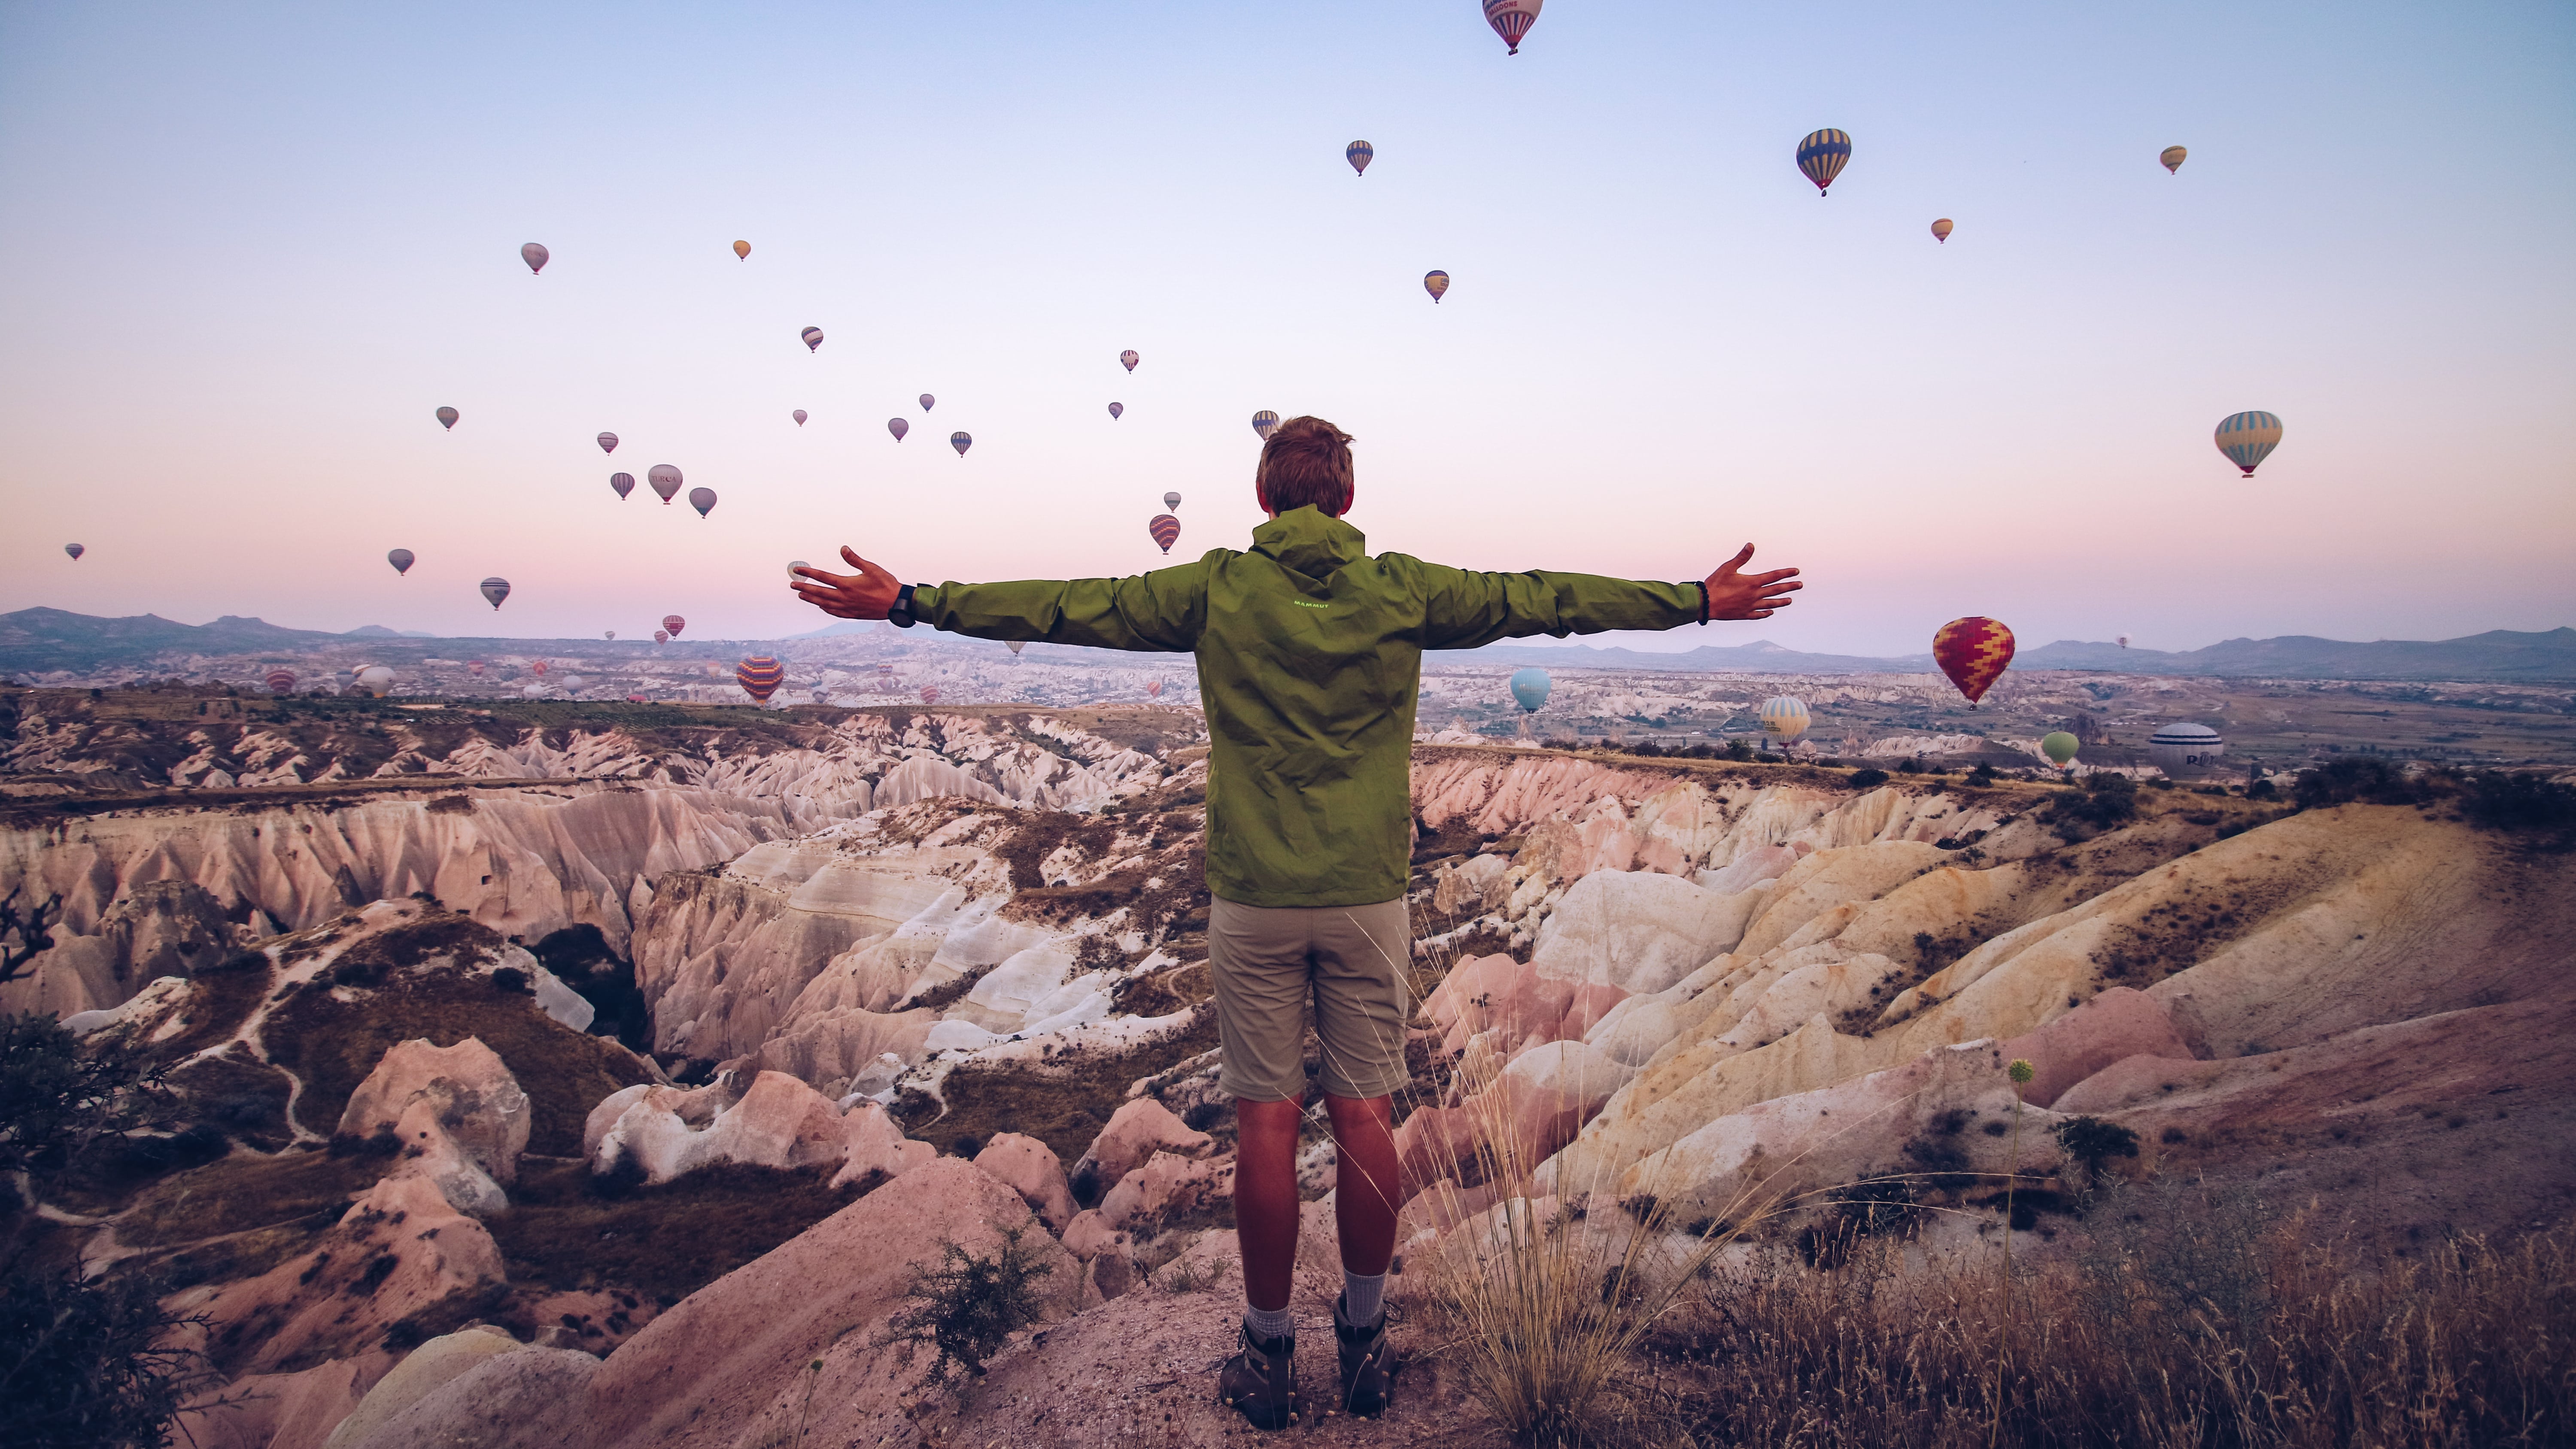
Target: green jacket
1310	659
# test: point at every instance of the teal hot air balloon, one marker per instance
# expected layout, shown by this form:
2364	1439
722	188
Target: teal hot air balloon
1822	156
1530	686
2249	438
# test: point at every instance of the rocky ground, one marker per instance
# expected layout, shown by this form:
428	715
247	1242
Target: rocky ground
931	1005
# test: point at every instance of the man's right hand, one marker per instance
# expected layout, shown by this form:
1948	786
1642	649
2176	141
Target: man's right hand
1749	596
867	594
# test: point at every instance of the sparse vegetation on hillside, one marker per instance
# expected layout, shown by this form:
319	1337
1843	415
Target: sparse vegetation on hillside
967	1304
56	1098
89	1363
670	1239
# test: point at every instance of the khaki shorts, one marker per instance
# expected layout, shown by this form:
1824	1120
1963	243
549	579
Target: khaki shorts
1267	960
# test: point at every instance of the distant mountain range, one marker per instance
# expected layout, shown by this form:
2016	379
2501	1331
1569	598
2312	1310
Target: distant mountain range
41	639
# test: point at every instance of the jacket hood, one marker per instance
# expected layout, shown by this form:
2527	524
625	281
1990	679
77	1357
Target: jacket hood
1306	541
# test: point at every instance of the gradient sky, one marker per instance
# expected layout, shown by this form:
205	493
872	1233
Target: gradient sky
246	250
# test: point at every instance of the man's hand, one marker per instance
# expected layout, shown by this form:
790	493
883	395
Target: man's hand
1749	596
867	594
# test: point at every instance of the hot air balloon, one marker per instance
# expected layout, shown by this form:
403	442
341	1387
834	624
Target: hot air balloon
2059	746
2172	157
75	550
401	560
813	339
673	623
1018	644
961	442
1973	652
1436	283
1530	687
2124	641
926	401
2248	438
742	251
533	691
280	680
1117	410
611	634
799	416
793	565
702	499
1358	153
1127	359
760	676
535	255
1154	690
885	671
1511	20
1172	502
898	427
930	694
1941	230
665	480
661	636
1784	717
376	679
447	417
496	589
539	666
1264	423
1822	155
608	442
624	483
2185	749
474	667
1165	530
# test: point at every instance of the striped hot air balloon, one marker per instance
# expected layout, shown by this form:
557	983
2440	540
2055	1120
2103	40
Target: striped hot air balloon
661	636
1784	717
813	339
2249	438
1511	20
760	676
447	418
280	680
1941	230
898	427
496	589
1264	423
1358	153
624	483
1974	652
1165	529
930	694
1822	155
961	442
672	624
608	442
1127	359
1436	283
2172	157
2185	748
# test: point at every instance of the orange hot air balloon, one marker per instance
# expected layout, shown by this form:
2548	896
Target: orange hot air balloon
1974	652
1941	230
760	676
742	251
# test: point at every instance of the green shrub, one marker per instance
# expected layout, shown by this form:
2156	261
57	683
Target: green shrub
2518	800
1868	779
56	1099
85	1362
2106	800
2094	1142
967	1305
2353	779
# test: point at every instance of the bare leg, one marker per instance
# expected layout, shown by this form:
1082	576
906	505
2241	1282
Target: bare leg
1365	1184
1265	1199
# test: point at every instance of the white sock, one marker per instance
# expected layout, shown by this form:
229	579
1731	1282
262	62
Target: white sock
1361	1298
1268	1322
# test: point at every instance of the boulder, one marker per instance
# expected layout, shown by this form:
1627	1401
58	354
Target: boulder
1169	1190
1640	931
1515	1004
468	1093
878	1150
1140	1128
1030	1168
426	1368
534	1398
778	1122
429	1152
728	1364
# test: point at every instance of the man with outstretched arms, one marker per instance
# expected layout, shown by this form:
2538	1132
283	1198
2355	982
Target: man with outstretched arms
1310	660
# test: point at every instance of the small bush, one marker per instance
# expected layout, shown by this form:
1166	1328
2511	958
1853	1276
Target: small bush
1739	750
967	1305
2106	800
1984	774
510	980
2094	1142
2518	800
83	1362
1868	779
56	1099
2355	779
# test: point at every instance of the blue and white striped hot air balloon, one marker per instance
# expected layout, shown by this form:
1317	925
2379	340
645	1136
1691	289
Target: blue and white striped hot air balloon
1784	717
2186	748
1822	154
1358	154
2249	438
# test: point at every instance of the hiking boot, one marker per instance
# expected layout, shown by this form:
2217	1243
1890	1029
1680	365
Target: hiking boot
1366	1380
1260	1382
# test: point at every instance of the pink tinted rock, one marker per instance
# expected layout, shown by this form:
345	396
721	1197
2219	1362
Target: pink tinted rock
428	1152
2118	1023
877	1148
1170	1185
478	1103
1030	1168
727	1364
530	1399
1136	1131
425	1369
280	1411
1763	862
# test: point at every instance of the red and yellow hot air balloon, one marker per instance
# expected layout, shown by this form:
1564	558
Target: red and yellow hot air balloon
760	676
1974	652
1165	529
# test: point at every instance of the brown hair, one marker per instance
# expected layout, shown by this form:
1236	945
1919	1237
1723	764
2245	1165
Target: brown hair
1307	461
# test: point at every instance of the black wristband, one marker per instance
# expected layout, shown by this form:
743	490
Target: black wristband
901	615
1703	601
